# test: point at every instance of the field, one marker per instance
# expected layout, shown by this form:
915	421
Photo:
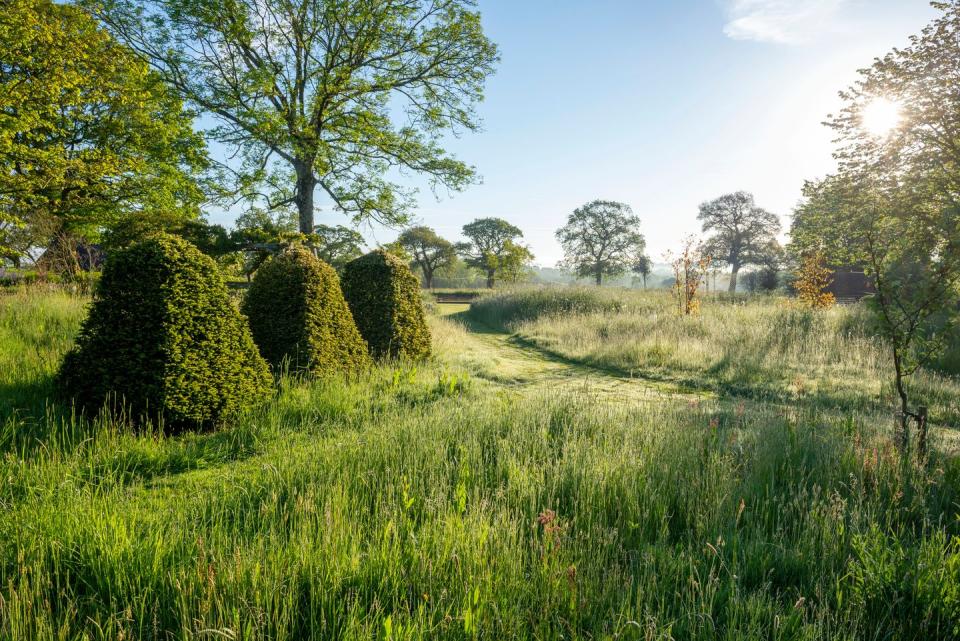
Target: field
571	465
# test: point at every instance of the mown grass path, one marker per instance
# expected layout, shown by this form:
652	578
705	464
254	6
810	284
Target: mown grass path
506	360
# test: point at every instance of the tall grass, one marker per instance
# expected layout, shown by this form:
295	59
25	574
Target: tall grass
766	348
412	503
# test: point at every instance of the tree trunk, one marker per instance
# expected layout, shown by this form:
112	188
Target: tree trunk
428	279
491	278
735	269
903	436
306	185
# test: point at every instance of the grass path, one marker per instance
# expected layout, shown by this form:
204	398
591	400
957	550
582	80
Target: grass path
505	360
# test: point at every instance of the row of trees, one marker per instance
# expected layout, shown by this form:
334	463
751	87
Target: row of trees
602	239
493	247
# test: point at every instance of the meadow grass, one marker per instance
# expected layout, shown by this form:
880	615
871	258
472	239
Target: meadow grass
765	348
419	502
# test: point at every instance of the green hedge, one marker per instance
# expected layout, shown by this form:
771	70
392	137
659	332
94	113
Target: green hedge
163	340
299	317
384	297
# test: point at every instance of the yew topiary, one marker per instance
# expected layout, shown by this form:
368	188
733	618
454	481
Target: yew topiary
384	297
163	340
299	317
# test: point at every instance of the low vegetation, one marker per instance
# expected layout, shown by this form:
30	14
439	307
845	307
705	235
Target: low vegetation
429	503
299	318
164	341
763	348
385	299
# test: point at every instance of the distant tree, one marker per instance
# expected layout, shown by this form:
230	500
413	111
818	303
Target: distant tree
514	263
643	266
766	278
89	137
259	234
493	247
309	92
742	232
430	252
337	245
601	239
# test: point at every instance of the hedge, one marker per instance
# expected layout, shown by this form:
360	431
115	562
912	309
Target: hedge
299	317
164	341
384	297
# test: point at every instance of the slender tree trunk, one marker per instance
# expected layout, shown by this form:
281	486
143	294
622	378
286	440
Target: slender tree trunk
735	269
903	437
491	278
599	277
644	281
306	185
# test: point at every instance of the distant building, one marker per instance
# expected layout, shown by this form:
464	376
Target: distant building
89	257
850	285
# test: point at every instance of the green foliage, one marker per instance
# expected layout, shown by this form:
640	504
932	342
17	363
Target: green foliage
89	136
336	245
429	251
494	249
743	234
601	239
891	208
163	340
384	297
308	94
299	318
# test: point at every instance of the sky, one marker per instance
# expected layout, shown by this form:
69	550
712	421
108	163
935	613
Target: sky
661	104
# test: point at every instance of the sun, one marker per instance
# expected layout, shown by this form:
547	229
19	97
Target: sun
880	117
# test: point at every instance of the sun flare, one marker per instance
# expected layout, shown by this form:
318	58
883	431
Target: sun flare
880	117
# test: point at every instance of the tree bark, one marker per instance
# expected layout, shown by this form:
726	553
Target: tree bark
491	278
599	277
428	278
306	185
735	269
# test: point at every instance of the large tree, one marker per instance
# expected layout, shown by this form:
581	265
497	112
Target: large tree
89	137
493	247
601	239
430	252
335	94
742	233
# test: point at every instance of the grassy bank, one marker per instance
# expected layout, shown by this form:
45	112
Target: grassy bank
418	502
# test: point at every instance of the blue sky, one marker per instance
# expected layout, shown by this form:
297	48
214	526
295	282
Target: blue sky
660	104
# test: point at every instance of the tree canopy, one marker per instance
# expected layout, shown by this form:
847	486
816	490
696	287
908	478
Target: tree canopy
321	93
601	239
494	248
743	234
89	137
337	245
430	252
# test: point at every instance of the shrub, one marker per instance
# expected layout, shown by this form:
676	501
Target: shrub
298	315
384	297
163	340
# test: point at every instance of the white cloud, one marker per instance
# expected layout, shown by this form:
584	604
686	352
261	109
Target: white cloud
779	21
